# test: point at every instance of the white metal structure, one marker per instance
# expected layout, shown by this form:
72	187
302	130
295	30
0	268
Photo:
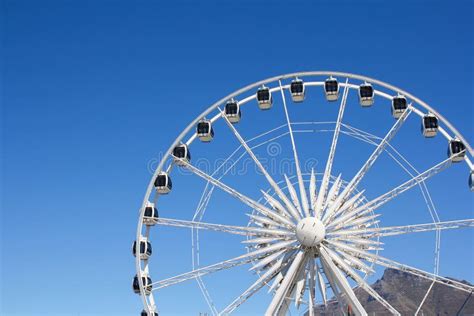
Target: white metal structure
311	235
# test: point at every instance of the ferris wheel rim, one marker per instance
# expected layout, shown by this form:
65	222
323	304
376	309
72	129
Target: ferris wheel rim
215	106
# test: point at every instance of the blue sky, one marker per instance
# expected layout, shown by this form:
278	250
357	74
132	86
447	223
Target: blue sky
92	91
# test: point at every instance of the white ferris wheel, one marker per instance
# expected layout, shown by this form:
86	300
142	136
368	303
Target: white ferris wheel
307	237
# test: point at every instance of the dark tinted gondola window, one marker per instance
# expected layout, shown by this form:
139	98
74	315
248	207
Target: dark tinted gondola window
366	91
142	247
151	212
148	211
231	108
136	286
457	147
296	87
399	103
160	180
331	86
179	152
203	128
430	122
263	95
148	248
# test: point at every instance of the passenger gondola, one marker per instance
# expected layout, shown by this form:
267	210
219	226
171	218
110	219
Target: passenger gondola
145	313
297	90
204	130
145	249
150	216
366	94
232	111
331	89
399	106
146	280
456	150
429	125
264	98
181	154
163	183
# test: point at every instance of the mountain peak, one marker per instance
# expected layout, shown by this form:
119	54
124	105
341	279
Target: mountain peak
405	291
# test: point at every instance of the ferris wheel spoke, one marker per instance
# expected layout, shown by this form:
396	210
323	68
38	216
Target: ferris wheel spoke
384	198
263	220
293	194
331	195
321	284
381	261
269	178
335	290
348	205
366	219
263	240
371	160
362	242
311	284
255	287
289	256
359	280
223	265
312	190
400	230
327	172
246	200
342	283
275	204
300	285
304	197
286	284
356	263
237	230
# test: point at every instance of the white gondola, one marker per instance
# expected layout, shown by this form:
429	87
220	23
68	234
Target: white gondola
264	98
429	125
399	106
145	249
204	130
456	150
471	180
331	89
146	280
145	313
163	183
232	111
181	153
366	94
297	90
150	216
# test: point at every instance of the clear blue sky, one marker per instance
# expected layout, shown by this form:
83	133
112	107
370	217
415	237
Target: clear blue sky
93	90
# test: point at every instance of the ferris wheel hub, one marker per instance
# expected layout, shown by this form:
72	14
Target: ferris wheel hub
310	231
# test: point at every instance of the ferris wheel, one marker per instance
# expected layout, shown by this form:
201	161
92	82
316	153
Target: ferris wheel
308	235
